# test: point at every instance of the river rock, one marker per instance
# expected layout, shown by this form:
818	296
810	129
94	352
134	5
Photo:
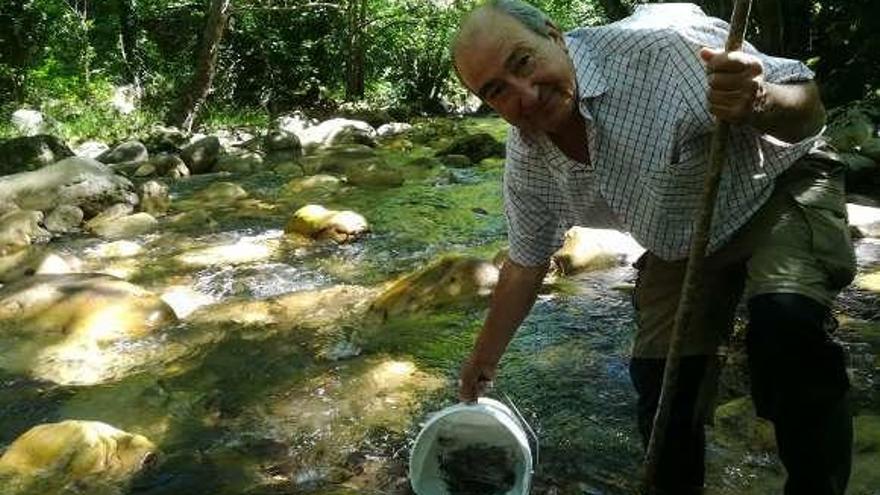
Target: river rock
222	192
146	169
201	156
75	453
199	220
111	213
125	227
64	219
65	326
595	249
864	218
29	122
31	153
337	131
295	123
91	149
239	163
475	146
736	423
322	182
76	181
277	140
125	153
36	260
393	129
318	222
451	280
373	174
21	228
162	139
169	165
154	198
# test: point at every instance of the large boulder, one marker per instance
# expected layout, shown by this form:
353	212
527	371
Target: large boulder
36	260
475	146
451	280
21	228
67	328
586	250
73	454
318	222
29	122
125	153
154	198
76	181
201	156
31	153
91	149
337	131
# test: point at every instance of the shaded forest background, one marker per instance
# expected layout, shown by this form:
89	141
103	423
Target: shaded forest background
187	62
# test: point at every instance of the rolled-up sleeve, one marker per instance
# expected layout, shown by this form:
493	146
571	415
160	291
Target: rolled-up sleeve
533	218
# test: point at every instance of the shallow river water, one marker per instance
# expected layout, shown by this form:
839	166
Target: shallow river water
315	399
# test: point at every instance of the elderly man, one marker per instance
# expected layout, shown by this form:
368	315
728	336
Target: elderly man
611	127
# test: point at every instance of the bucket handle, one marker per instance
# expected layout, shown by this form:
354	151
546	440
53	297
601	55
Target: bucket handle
528	427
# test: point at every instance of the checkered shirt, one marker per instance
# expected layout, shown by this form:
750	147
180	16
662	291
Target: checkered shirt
642	90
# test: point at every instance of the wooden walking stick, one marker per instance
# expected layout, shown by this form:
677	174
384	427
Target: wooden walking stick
693	273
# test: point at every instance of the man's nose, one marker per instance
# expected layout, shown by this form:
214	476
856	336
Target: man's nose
529	95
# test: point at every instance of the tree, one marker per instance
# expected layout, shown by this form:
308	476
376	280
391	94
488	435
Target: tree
128	30
206	65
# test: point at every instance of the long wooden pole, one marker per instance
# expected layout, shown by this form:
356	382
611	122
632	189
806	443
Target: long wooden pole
694	271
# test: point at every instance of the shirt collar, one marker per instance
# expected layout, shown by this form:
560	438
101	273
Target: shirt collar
590	81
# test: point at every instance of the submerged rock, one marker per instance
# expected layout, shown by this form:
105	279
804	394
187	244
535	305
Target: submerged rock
76	181
154	198
74	453
451	280
63	327
125	226
318	222
222	192
594	249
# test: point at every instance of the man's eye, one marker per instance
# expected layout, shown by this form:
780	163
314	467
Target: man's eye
523	60
495	91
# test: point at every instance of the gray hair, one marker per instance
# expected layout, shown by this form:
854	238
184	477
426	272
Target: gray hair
527	14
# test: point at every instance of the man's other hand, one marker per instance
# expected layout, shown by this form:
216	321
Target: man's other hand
736	84
474	379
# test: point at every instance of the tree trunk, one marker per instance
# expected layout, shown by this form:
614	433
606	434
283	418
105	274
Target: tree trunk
615	9
128	31
354	68
206	65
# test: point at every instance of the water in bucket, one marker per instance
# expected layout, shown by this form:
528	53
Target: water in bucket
470	449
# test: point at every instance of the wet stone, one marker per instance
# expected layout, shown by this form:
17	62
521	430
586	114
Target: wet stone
478	470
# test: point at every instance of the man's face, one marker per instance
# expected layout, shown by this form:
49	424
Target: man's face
528	79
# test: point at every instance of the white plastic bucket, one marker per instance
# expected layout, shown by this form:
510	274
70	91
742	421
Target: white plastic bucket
486	422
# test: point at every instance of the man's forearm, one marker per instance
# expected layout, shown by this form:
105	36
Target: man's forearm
790	112
512	300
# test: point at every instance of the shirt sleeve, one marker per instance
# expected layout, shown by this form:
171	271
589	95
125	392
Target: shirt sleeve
533	222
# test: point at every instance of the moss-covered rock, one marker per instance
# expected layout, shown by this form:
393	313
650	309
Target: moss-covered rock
848	129
737	424
451	280
318	222
74	453
30	153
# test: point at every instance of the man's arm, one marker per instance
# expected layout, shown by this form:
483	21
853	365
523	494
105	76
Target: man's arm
512	300
739	94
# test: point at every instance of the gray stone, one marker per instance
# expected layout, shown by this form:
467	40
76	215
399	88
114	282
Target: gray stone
163	139
147	169
125	227
110	214
91	149
29	122
125	153
239	163
201	156
281	140
76	181
31	153
337	131
20	228
64	219
154	198
393	129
